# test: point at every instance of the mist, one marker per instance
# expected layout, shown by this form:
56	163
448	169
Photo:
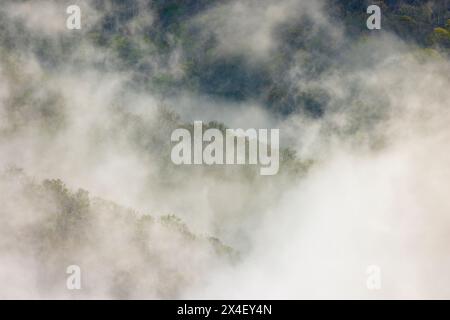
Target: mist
87	178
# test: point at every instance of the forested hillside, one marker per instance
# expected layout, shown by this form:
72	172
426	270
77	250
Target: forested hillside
86	177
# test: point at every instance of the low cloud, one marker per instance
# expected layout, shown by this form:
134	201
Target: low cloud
369	186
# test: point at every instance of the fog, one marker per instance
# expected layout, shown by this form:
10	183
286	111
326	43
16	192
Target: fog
374	194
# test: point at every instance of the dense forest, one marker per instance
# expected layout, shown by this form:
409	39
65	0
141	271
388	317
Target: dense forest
93	109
